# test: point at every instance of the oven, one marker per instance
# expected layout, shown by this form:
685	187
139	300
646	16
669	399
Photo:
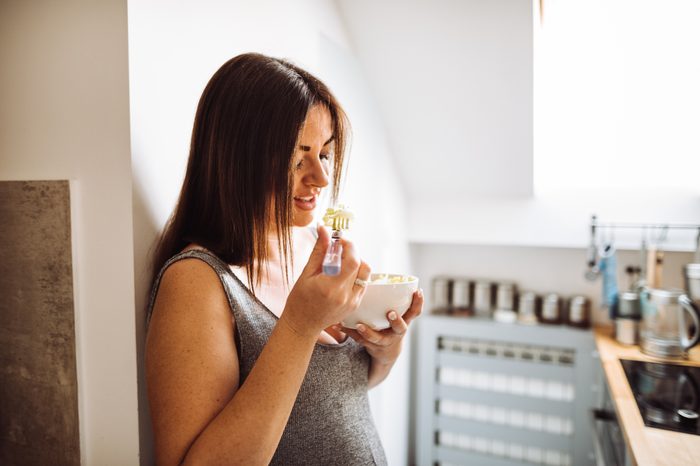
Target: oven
608	440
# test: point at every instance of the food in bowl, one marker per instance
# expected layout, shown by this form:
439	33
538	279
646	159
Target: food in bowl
385	292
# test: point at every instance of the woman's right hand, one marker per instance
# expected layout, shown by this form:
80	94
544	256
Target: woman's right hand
318	301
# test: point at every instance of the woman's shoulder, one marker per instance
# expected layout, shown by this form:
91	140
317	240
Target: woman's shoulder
191	279
194	260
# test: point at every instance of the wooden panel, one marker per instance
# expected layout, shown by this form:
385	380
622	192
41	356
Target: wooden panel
38	383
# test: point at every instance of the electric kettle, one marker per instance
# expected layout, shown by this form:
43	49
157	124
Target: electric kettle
665	331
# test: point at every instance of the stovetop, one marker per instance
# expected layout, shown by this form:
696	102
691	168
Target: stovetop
668	395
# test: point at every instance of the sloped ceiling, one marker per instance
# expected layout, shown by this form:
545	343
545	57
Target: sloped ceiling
453	80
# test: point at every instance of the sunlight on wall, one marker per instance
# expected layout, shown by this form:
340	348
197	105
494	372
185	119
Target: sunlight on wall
617	96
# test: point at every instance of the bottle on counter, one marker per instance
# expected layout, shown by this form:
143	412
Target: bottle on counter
579	314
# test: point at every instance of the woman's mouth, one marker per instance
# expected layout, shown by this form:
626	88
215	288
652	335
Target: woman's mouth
305	202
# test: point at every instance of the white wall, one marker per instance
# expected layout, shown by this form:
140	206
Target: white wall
558	220
65	115
174	48
453	79
612	106
374	191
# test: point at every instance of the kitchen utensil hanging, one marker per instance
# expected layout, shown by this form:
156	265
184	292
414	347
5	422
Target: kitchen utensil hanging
653	236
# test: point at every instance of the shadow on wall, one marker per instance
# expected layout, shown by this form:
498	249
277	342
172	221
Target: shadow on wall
146	232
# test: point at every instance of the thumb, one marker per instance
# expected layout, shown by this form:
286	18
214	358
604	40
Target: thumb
318	253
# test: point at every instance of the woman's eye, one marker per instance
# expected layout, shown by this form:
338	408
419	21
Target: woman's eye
325	158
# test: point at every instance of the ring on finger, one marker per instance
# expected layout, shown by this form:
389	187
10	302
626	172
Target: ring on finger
361	283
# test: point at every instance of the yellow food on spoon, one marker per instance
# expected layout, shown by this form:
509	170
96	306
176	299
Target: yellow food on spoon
338	218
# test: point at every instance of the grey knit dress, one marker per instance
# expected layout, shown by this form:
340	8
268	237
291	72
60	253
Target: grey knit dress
330	423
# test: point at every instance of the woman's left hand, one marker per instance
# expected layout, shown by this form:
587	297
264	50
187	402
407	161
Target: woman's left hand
384	346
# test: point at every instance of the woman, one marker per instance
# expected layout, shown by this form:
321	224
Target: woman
241	366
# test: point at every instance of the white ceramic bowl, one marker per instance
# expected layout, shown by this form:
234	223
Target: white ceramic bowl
380	298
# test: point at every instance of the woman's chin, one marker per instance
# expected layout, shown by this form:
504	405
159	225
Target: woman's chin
302	219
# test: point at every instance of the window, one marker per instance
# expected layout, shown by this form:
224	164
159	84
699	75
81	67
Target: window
617	96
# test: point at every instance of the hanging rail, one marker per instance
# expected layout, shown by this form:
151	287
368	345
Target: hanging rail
643	226
592	253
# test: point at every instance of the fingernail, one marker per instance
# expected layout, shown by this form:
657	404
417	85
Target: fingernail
420	292
392	315
361	328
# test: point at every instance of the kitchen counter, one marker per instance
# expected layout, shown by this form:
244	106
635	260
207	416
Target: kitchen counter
648	446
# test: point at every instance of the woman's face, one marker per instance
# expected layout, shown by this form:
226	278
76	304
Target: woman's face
312	164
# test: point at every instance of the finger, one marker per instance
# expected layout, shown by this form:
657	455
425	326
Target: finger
338	330
355	334
416	307
350	261
371	335
352	333
315	263
398	325
363	273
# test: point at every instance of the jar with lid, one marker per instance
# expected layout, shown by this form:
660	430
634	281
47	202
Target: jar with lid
482	298
505	303
579	312
461	298
529	306
629	313
551	309
441	295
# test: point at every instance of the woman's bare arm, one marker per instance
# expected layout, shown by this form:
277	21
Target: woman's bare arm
193	374
200	414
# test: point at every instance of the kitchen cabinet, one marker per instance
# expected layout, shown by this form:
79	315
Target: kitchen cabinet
503	394
644	446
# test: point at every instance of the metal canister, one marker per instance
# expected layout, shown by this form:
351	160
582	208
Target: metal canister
629	305
627	330
579	312
482	298
551	309
505	296
461	301
441	294
691	272
528	307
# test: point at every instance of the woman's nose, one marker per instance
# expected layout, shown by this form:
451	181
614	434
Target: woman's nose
318	174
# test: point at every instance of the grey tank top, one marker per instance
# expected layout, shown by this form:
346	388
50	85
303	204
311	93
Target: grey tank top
331	421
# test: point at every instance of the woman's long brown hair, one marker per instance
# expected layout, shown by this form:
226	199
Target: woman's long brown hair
239	173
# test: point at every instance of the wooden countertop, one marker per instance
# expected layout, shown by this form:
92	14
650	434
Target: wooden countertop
649	446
